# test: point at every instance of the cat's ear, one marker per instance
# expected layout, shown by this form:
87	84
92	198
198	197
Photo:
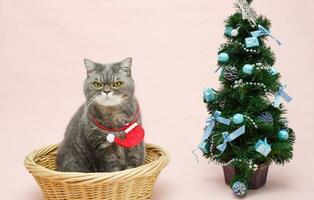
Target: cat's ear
125	65
90	65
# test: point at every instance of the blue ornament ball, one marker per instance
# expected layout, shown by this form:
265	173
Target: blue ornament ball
239	188
283	135
248	69
238	119
223	57
209	95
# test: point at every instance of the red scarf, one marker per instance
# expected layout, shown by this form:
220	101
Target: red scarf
134	133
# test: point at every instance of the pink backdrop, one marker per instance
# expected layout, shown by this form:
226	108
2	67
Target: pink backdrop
174	46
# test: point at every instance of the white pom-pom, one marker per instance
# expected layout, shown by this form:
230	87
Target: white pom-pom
234	32
110	138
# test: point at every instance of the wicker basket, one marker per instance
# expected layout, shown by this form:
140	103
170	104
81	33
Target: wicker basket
136	183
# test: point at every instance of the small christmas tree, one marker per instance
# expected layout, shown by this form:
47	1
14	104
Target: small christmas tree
246	130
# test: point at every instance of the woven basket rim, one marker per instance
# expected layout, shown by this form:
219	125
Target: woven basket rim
95	177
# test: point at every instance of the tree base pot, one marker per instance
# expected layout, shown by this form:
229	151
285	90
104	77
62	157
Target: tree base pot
257	180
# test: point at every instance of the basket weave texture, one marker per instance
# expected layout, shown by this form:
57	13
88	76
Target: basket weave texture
136	183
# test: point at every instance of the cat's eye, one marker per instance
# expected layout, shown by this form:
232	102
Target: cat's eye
97	84
117	84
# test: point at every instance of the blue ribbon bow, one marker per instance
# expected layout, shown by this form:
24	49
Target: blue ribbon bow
230	137
281	94
263	31
210	124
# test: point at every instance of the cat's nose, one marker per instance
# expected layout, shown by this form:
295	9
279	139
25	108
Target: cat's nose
107	91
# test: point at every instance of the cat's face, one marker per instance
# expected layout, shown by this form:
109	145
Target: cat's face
108	84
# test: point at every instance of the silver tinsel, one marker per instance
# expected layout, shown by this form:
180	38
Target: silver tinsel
266	117
239	188
231	73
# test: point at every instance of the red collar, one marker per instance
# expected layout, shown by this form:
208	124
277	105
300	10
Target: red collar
123	128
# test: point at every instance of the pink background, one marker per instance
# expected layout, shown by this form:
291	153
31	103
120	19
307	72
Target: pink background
174	46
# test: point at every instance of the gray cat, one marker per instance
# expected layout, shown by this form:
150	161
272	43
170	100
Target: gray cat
109	91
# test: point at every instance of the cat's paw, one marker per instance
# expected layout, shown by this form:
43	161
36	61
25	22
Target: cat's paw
104	146
130	167
115	169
